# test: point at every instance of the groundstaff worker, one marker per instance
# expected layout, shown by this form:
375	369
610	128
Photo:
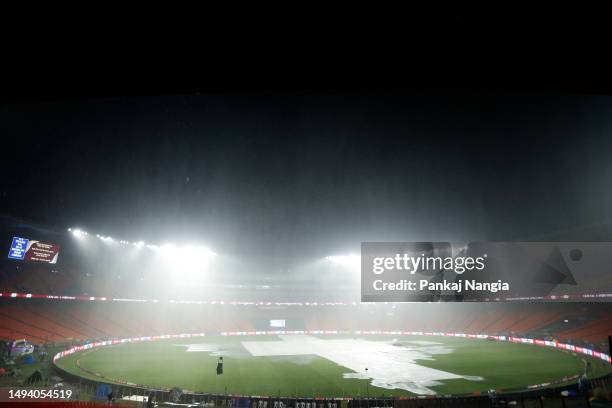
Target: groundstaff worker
220	366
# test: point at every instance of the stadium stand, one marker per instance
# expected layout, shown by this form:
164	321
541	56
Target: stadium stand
594	331
55	321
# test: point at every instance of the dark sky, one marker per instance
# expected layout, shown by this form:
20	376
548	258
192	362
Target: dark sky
310	173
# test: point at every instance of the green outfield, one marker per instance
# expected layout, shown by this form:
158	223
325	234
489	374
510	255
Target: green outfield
330	365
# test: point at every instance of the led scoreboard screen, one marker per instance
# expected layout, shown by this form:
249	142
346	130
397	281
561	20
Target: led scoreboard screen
277	323
24	249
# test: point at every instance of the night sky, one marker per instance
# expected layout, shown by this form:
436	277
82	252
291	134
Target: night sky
310	173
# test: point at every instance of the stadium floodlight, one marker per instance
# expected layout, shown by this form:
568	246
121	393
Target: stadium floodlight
185	252
345	260
78	233
139	244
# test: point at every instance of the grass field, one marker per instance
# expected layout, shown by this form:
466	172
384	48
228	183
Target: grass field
330	365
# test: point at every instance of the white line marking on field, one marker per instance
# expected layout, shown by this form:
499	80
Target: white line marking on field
389	366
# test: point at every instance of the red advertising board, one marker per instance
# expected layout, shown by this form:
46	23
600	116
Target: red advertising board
42	252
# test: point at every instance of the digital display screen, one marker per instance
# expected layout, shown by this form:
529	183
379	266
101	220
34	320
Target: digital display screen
277	323
33	251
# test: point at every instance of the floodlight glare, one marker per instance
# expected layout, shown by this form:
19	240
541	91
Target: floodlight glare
345	260
78	233
186	262
167	249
